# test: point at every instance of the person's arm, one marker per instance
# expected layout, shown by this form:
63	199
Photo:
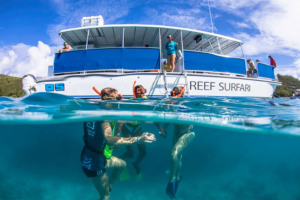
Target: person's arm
176	46
117	141
162	132
119	128
69	48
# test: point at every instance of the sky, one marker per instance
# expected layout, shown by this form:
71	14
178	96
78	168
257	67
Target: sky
29	29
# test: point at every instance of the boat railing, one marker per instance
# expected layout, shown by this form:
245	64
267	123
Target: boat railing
266	71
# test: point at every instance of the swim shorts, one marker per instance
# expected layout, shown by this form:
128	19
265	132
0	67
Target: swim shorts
92	163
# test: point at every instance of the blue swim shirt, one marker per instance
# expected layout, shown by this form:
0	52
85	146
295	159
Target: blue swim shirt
171	48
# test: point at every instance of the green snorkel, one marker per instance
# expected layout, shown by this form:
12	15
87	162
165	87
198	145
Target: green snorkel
109	149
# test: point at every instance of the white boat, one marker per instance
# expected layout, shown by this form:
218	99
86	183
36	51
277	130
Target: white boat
118	55
296	95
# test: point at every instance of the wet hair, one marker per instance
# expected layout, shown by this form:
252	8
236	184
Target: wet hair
65	43
108	93
270	56
178	89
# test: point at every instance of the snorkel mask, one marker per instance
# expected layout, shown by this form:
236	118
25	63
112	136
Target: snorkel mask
176	93
139	90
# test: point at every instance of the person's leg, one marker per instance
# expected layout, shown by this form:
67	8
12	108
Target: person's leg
101	184
142	153
173	57
129	148
118	166
176	154
169	62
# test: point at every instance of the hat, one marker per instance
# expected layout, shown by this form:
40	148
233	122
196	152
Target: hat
169	36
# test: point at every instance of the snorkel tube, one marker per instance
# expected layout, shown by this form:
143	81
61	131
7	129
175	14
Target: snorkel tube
96	91
182	91
134	95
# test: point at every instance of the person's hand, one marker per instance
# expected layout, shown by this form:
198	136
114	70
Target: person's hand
147	138
163	133
177	44
60	51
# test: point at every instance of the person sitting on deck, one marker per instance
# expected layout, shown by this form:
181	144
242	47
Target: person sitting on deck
252	68
96	156
66	48
272	62
171	47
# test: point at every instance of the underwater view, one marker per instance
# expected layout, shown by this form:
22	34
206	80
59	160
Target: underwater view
236	148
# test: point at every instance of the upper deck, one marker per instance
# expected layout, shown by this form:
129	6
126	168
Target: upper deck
134	35
132	47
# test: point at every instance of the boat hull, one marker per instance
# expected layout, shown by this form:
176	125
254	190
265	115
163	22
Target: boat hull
81	85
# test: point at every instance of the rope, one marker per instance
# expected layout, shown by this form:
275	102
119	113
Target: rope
277	95
155	80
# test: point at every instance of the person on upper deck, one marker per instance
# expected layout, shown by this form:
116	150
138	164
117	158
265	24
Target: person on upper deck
272	62
252	68
66	48
171	47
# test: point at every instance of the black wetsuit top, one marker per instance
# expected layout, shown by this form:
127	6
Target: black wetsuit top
92	157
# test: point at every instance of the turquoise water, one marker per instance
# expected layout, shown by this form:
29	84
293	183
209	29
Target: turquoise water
243	148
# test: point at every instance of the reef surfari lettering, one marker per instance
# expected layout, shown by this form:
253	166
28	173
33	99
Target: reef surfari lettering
222	86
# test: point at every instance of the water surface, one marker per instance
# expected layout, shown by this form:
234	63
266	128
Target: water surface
243	149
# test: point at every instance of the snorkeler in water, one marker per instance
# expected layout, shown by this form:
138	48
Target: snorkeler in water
96	155
182	137
134	128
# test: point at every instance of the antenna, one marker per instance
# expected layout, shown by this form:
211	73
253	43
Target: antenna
212	26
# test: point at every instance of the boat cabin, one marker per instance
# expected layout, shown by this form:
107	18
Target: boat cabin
141	48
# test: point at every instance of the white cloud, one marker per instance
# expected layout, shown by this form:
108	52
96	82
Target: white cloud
292	70
240	24
273	28
194	18
21	59
71	13
275	20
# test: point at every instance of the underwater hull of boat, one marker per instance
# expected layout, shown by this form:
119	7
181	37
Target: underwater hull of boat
81	85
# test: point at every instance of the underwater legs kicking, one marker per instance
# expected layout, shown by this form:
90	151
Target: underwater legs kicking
135	131
179	144
102	183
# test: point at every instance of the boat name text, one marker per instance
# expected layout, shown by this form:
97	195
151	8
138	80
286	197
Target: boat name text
205	85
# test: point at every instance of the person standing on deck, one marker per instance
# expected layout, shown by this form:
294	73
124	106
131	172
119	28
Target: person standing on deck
171	47
182	137
272	62
96	154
